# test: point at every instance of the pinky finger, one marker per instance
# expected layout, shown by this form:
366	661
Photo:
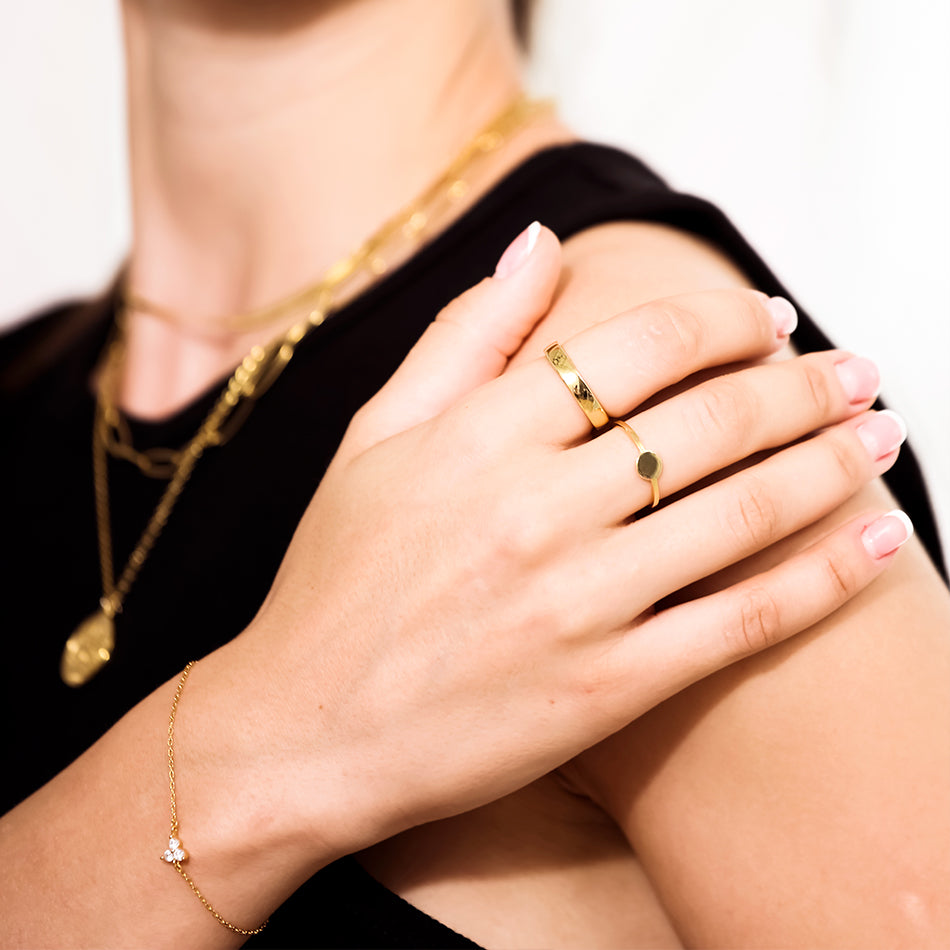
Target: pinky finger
694	639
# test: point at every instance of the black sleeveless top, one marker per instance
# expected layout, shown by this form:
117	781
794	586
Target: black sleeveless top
215	560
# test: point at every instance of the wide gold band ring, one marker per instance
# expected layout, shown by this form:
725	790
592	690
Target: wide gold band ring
558	358
649	464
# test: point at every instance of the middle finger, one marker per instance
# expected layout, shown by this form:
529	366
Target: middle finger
633	356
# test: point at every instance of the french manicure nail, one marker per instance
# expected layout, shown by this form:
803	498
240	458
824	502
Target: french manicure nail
860	379
882	433
518	251
784	315
887	534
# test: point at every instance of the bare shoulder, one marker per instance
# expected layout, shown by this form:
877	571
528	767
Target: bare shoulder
613	267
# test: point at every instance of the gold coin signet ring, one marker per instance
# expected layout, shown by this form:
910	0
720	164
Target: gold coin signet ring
649	464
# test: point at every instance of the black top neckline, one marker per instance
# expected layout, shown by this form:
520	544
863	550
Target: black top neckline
183	421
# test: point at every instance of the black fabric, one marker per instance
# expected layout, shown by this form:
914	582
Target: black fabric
216	558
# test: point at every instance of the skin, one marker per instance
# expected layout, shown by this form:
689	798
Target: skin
811	731
612	849
440	631
232	170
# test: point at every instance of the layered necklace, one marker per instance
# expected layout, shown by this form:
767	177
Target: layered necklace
92	644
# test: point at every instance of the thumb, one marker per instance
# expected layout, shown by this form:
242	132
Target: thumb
468	343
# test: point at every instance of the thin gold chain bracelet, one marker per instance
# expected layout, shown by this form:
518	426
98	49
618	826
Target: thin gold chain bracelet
175	854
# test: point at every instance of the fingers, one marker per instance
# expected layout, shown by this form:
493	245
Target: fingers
720	422
685	643
633	356
750	510
468	343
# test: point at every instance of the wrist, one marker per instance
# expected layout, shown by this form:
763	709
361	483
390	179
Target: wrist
234	841
262	795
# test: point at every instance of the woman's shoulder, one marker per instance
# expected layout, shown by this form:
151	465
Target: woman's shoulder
633	239
582	186
629	236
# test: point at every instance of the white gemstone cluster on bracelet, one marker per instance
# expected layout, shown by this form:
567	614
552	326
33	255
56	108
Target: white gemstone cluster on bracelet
175	853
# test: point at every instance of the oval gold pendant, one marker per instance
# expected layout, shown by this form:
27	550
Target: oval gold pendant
88	650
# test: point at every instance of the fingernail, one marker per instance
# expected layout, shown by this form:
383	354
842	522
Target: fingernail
784	315
860	379
883	433
887	534
518	251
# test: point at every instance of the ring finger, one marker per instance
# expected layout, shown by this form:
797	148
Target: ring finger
718	423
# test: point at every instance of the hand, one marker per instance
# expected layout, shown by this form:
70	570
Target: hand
466	603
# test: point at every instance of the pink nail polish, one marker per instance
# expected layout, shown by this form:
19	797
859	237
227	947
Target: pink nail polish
860	379
887	534
518	251
882	433
784	315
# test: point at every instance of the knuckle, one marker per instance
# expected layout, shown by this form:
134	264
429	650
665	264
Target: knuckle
818	388
758	623
362	419
848	458
464	439
840	577
361	428
751	309
724	410
519	534
753	516
679	333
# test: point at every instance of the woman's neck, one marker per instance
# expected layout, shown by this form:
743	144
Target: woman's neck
267	140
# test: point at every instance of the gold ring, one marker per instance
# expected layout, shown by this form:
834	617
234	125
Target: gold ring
558	358
649	464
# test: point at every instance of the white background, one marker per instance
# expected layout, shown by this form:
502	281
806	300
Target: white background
822	127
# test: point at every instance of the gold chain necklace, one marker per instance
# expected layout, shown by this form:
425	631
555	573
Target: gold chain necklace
317	299
93	642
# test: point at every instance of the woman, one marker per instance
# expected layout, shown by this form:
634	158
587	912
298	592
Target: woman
368	695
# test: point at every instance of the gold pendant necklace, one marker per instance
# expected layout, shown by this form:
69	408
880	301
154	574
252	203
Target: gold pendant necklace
93	642
90	647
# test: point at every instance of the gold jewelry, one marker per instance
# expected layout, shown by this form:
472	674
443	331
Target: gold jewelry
92	644
175	854
649	464
558	358
319	299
